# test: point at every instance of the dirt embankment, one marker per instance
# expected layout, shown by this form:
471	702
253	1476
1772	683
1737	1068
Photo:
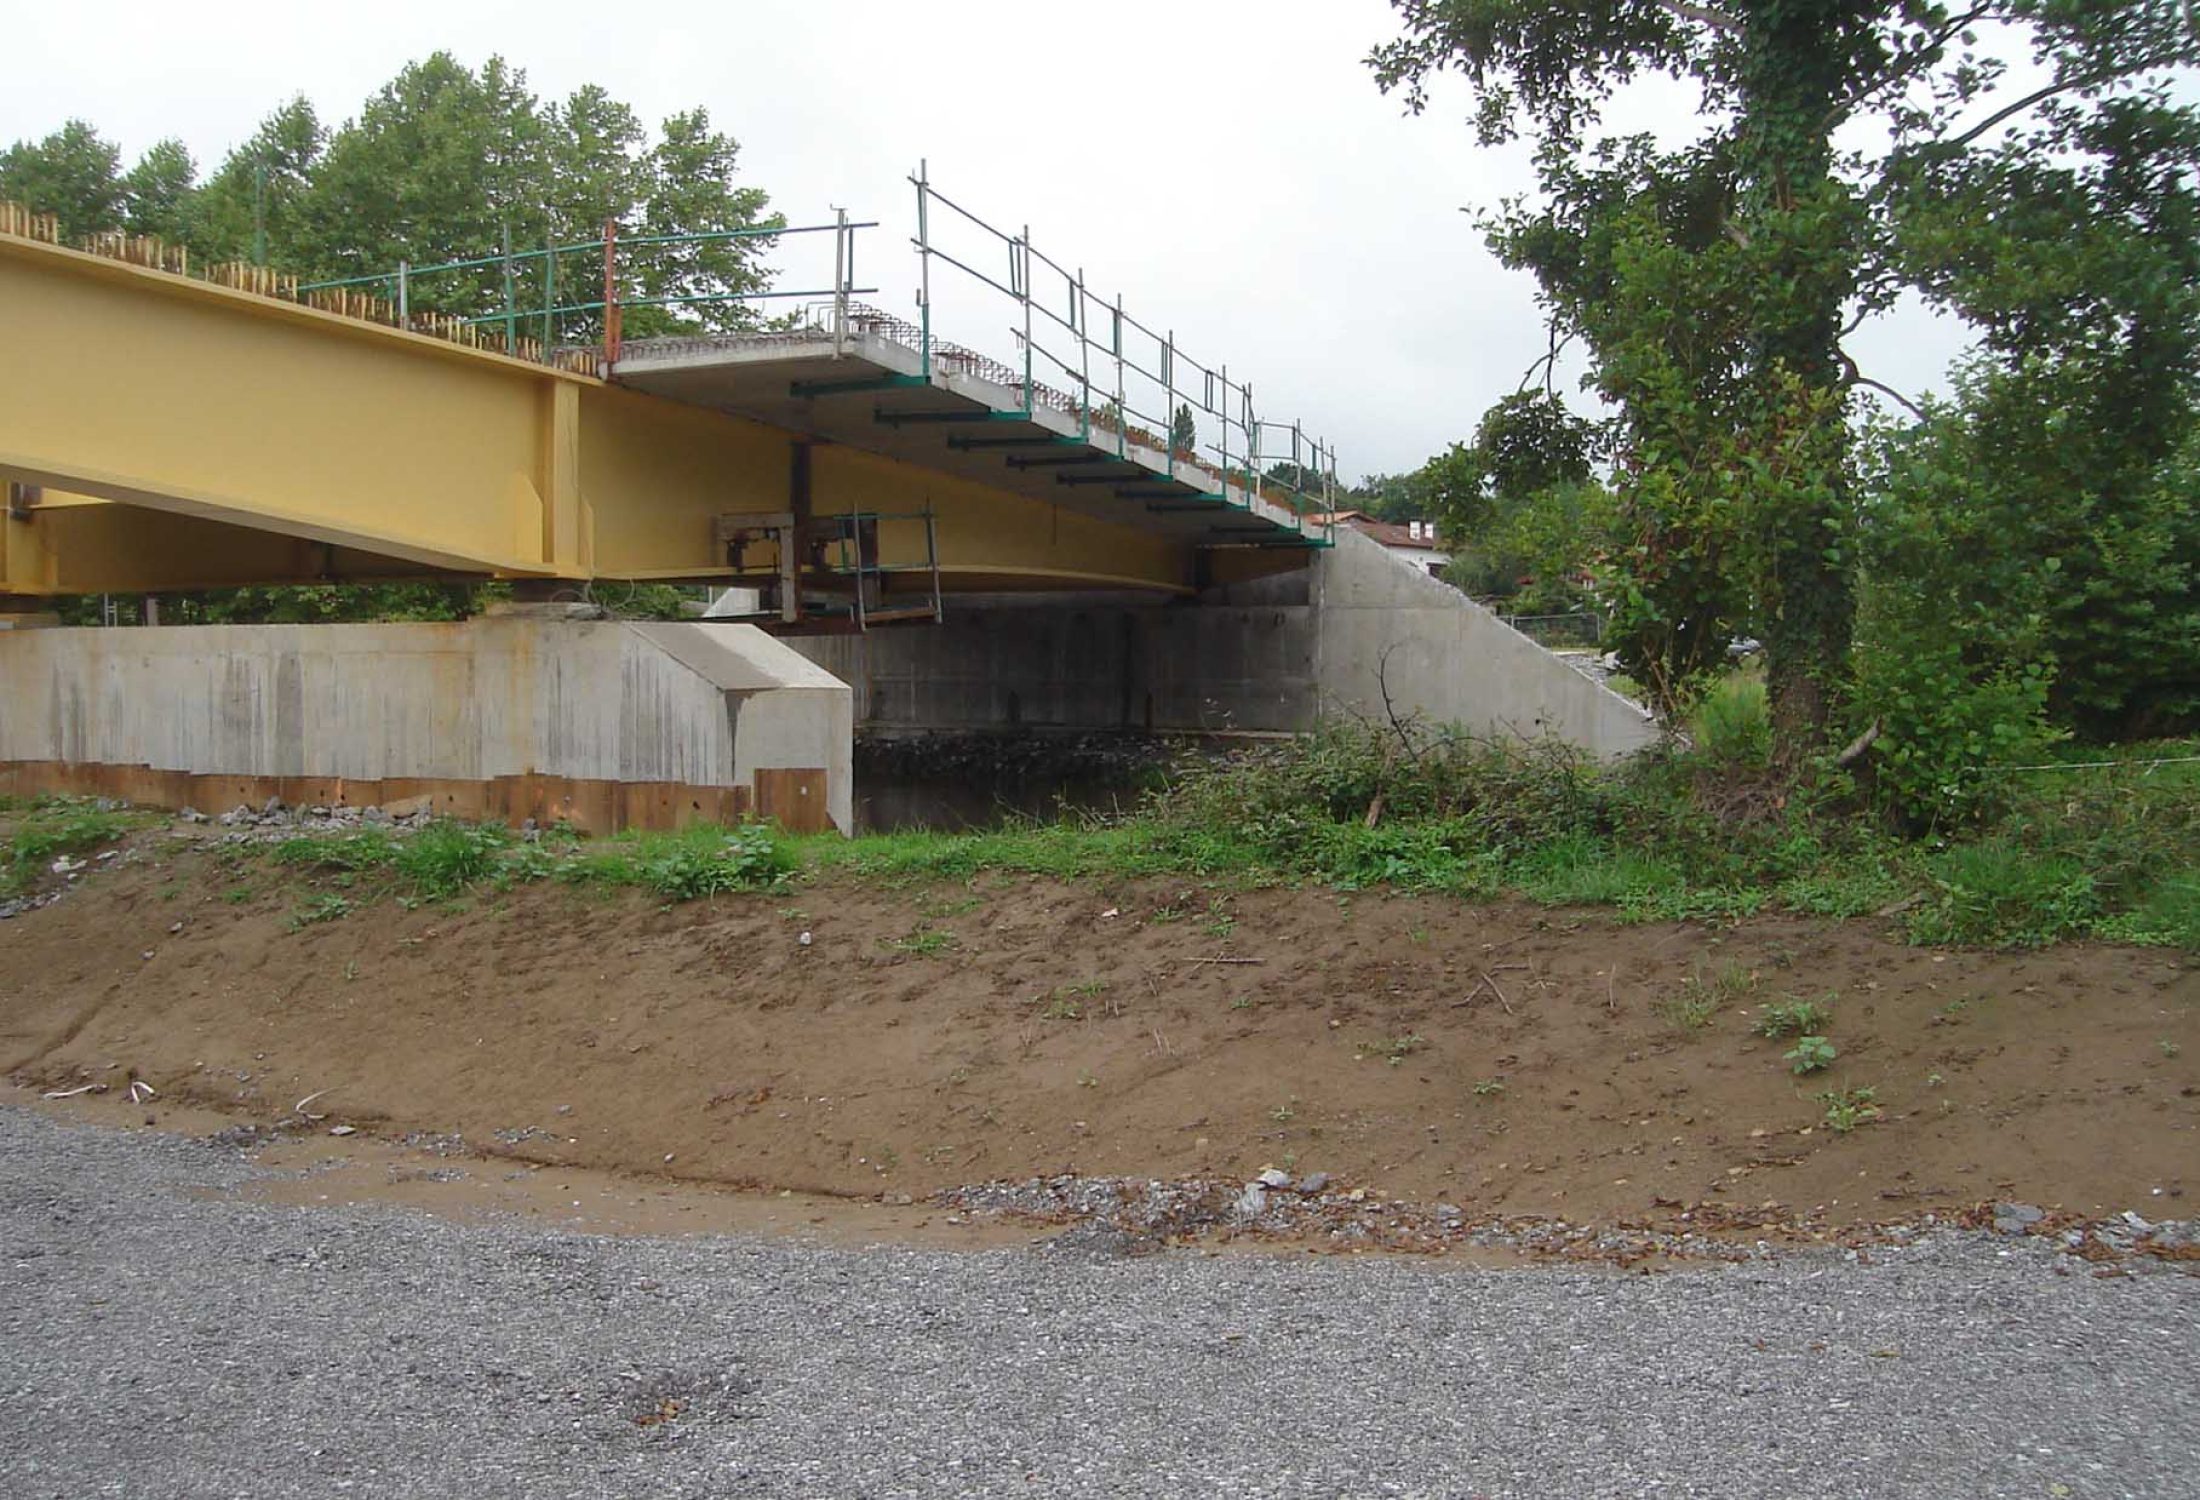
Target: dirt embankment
846	1038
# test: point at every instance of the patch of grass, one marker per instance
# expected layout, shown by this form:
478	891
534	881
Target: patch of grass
703	859
238	895
1059	1005
445	857
1852	890
1700	998
1489	1088
1392	1050
921	942
57	827
1793	1017
2167	916
1731	723
368	849
1583	871
944	909
1997	894
328	906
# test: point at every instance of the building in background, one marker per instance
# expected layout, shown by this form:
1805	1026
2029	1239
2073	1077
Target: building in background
1415	541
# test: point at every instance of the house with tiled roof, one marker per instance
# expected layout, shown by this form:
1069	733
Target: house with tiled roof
1415	541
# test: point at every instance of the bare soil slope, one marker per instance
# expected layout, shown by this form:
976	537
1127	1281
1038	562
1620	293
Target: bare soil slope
1500	1057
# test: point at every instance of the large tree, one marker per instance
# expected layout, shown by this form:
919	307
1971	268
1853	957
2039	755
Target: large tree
73	174
1712	280
444	163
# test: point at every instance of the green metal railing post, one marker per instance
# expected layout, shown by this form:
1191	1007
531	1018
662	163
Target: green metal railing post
404	294
1122	412
843	276
924	268
1023	252
1084	359
1225	426
549	290
1168	404
1252	440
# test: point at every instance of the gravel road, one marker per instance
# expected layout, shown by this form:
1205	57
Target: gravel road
161	1338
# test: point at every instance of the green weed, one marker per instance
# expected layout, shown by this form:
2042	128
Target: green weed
921	942
446	856
324	907
1810	1054
1392	1050
1792	1017
1848	1108
1700	999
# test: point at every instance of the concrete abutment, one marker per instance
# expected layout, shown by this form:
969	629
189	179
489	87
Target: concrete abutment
603	723
1268	656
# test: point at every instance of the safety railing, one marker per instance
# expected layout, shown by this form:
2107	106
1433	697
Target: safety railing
522	287
1088	357
1123	382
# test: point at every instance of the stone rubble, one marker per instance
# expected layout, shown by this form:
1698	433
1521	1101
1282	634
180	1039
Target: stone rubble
1146	1213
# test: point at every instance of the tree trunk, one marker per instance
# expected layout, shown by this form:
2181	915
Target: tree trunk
1791	80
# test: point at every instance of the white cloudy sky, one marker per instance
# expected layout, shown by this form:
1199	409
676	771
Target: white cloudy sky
1227	165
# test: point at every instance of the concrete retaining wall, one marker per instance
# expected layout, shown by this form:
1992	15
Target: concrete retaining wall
628	722
1267	656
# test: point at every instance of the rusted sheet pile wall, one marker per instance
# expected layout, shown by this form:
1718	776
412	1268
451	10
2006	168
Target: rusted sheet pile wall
603	723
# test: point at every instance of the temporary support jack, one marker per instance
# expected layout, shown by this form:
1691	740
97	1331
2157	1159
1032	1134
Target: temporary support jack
827	573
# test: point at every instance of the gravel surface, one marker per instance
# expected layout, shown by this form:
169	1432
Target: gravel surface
159	1337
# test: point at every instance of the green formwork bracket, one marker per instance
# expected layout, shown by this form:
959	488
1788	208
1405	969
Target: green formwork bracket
940	418
805	389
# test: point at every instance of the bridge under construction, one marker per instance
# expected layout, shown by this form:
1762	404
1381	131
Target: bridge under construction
1096	528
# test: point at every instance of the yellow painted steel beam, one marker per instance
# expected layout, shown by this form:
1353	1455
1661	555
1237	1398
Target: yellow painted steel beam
187	435
77	544
193	399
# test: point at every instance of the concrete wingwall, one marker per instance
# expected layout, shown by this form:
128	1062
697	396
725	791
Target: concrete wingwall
617	723
1269	656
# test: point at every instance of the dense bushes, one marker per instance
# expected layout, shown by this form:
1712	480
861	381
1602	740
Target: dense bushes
2043	856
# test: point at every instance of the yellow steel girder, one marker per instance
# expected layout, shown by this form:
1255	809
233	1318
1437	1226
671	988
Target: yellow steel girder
167	433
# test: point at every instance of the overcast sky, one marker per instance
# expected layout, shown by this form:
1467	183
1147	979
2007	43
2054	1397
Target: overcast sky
1226	165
